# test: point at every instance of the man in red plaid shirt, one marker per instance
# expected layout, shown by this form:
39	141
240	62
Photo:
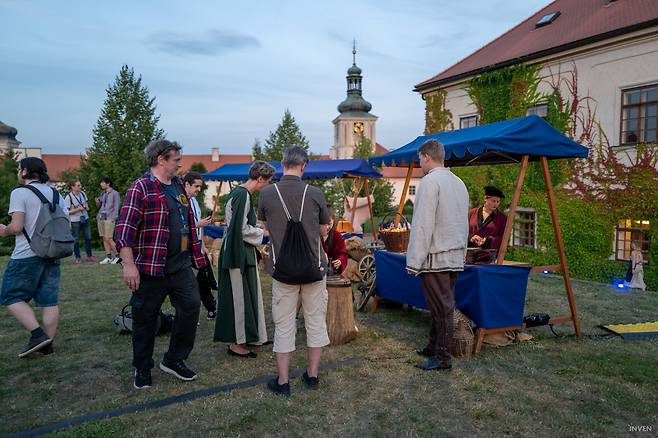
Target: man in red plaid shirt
154	238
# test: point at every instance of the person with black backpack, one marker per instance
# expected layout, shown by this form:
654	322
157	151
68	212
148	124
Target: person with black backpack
39	220
293	212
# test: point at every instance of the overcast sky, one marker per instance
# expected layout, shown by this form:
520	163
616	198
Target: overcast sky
223	73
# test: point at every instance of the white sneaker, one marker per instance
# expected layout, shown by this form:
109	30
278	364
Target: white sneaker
115	260
105	261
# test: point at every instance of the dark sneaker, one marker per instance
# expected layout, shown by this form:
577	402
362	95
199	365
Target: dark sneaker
311	382
432	364
142	379
178	369
48	349
274	386
35	344
211	315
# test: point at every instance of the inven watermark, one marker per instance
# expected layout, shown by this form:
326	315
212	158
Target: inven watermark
639	428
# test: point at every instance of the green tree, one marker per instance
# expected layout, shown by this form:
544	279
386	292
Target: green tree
128	122
381	189
363	148
8	180
257	150
287	134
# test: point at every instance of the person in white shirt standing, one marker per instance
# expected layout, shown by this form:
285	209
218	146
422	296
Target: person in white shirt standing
437	248
77	203
27	276
193	182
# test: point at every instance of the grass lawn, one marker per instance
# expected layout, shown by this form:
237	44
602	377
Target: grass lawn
596	386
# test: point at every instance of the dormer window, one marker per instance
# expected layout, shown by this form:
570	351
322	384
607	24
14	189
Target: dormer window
547	19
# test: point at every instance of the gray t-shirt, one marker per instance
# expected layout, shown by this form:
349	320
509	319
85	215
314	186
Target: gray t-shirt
24	201
271	211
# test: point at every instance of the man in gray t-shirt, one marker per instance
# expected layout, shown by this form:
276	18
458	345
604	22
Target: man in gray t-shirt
285	296
27	276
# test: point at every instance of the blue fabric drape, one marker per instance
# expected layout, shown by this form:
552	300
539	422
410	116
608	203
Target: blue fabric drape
491	295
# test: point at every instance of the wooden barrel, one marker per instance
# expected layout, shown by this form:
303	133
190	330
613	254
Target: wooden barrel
341	325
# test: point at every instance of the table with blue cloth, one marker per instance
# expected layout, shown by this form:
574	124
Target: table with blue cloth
217	232
213	231
493	296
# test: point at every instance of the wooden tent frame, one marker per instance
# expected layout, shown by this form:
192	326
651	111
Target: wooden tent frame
563	267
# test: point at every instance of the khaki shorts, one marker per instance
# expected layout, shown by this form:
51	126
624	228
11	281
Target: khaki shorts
284	309
106	228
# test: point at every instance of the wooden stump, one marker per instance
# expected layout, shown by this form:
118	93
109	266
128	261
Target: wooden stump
341	325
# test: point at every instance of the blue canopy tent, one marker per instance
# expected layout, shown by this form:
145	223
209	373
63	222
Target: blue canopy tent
511	141
316	169
232	172
496	143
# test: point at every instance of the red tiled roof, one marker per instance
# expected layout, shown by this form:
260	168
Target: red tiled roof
379	149
209	164
400	172
57	163
580	22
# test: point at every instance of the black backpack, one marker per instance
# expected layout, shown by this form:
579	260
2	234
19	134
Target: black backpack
296	263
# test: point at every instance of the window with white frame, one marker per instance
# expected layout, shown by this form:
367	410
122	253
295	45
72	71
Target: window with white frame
468	122
412	190
630	230
525	229
540	110
638	115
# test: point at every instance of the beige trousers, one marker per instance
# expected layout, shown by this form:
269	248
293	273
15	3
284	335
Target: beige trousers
284	310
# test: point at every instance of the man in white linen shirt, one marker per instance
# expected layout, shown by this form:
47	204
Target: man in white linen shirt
437	248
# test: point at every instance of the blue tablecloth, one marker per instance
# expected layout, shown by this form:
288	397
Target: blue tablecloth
217	232
491	295
348	235
214	231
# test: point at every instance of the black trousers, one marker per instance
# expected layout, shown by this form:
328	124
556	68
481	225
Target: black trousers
146	302
207	282
439	292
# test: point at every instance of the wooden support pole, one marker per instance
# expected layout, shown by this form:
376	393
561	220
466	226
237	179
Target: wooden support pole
216	200
403	197
372	218
357	188
560	245
509	225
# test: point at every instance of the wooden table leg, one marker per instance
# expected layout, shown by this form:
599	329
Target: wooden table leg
375	304
479	340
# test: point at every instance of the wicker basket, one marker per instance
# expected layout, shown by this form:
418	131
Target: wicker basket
463	340
396	238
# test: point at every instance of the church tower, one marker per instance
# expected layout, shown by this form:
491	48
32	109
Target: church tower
354	119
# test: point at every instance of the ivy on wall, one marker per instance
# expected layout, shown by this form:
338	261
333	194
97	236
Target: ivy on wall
437	117
505	93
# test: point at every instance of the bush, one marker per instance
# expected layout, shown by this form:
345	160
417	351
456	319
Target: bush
587	234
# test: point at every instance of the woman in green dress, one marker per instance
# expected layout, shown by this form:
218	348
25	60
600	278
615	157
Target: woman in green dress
240	314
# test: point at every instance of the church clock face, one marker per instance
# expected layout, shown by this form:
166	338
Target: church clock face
358	127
